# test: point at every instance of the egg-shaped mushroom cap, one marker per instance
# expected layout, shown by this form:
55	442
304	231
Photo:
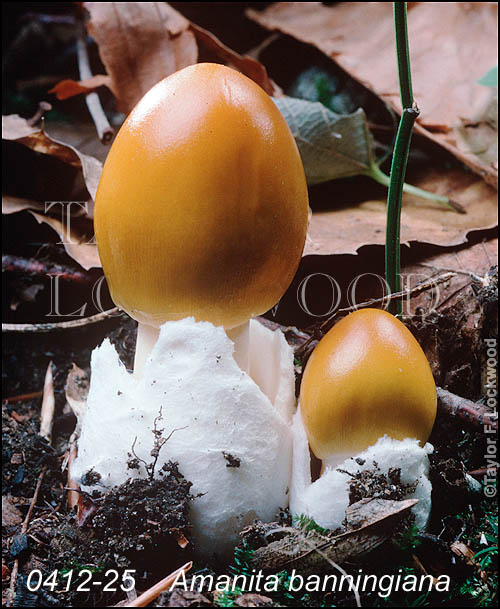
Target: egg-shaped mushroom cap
368	377
202	207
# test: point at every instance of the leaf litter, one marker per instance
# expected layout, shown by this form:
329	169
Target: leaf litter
447	62
74	537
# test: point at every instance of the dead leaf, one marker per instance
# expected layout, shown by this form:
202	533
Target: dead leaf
463	551
11	515
79	242
11	205
17	129
243	63
253	600
140	43
186	598
344	230
470	264
65	89
77	245
370	522
447	60
331	145
181	539
478	136
74	496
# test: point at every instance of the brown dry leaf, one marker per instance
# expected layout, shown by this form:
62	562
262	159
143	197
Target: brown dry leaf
479	135
11	515
251	599
461	549
17	129
471	265
69	88
186	598
245	64
77	242
11	205
344	229
370	522
447	60
140	43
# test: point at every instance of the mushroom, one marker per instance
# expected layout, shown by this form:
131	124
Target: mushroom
202	207
367	378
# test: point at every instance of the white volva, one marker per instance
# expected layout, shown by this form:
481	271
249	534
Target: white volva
192	378
325	500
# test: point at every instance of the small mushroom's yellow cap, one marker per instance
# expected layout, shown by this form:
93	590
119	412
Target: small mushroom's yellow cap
368	377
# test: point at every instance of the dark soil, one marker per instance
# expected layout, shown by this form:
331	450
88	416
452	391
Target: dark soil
134	526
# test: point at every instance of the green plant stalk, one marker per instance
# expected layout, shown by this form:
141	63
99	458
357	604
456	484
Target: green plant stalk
379	176
403	54
394	201
399	158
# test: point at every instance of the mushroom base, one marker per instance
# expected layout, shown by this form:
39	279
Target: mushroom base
325	500
230	435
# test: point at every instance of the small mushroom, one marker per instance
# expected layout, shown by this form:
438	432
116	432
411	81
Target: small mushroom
202	207
367	378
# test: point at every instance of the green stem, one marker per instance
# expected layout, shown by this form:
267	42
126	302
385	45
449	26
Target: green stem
394	200
399	158
379	176
403	54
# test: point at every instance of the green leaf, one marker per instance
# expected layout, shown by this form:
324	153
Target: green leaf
336	146
331	145
490	79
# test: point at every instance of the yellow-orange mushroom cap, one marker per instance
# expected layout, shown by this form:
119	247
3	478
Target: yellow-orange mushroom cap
202	207
368	377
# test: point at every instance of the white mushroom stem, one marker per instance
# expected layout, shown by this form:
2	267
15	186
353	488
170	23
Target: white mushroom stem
148	335
240	335
146	340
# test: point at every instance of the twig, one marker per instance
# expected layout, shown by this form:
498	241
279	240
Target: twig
483	471
46	419
24	528
105	131
483	281
452	295
150	595
23	397
48	405
73	487
43	108
471	412
62	325
334	565
427	284
31	266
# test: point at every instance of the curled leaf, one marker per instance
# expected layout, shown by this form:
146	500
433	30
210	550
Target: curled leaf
69	88
331	145
17	129
140	43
